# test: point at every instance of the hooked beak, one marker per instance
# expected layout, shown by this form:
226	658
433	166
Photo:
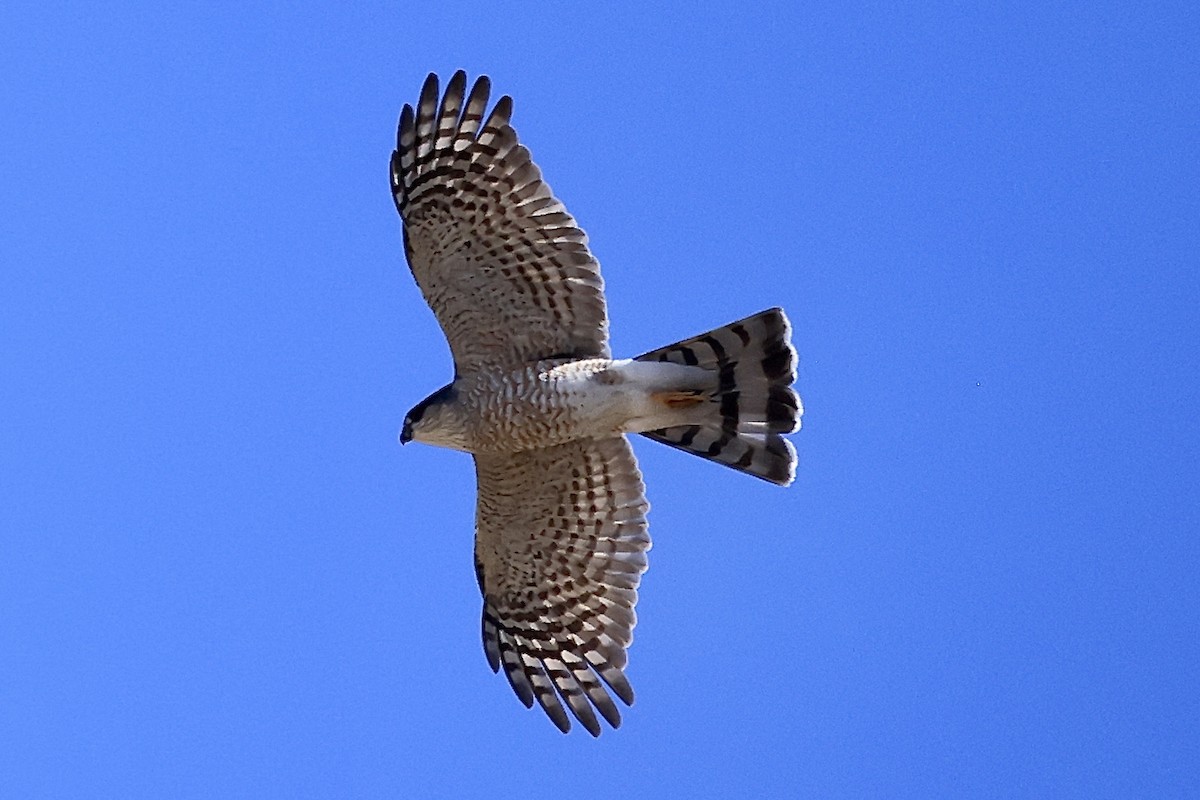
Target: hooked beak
406	433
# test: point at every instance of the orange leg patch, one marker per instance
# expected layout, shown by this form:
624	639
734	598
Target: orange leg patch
678	399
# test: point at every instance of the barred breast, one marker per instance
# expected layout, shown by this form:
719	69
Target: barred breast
545	404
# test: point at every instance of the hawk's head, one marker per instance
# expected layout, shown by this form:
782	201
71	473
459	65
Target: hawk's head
434	420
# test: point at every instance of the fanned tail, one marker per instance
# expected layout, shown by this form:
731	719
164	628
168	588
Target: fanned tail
754	405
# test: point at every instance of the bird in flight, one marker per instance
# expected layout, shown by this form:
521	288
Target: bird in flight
544	408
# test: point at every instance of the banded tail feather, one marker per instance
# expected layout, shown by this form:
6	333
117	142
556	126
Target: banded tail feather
753	405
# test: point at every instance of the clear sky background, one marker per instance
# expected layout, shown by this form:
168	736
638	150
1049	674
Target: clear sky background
221	576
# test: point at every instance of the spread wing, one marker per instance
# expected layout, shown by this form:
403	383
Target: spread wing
560	547
500	261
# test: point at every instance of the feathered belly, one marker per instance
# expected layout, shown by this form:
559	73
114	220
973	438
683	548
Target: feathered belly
554	402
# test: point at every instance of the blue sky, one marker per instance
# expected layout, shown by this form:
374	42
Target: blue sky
221	576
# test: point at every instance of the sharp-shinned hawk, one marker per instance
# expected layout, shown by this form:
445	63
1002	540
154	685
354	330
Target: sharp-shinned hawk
538	400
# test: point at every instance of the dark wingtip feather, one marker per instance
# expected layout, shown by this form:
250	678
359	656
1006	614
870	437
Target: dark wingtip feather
503	109
619	684
482	87
429	89
454	90
407	116
491	640
606	707
559	718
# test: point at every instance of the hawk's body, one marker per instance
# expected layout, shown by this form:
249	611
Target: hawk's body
555	401
538	400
